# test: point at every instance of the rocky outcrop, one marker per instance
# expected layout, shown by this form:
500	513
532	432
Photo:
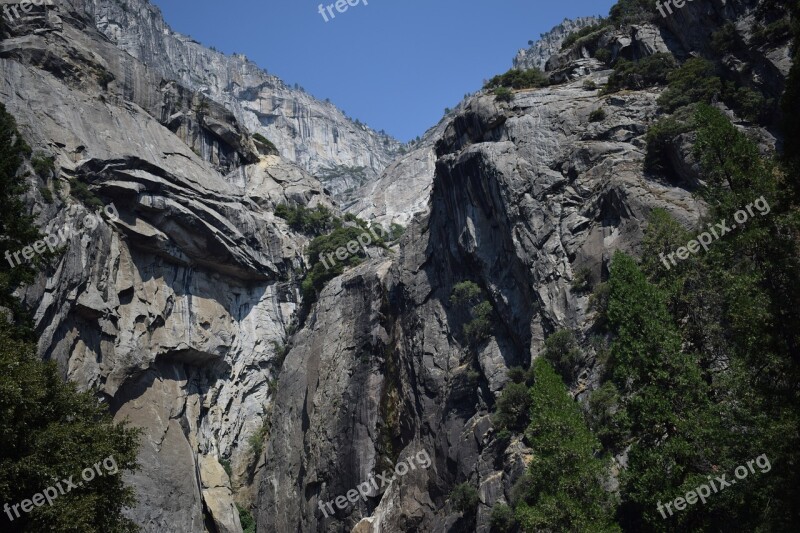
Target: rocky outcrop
316	135
524	196
404	188
550	43
174	305
178	305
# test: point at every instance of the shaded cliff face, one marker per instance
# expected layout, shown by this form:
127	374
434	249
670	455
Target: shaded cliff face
524	196
316	135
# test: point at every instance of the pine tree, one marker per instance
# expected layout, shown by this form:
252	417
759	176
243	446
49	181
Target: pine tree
562	490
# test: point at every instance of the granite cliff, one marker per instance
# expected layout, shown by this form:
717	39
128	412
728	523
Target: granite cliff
185	313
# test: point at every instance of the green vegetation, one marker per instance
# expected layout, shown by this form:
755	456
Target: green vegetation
725	39
257	439
790	106
16	227
583	281
626	12
49	431
773	34
246	519
660	138
503	94
562	488
607	418
562	351
597	115
395	231
512	408
316	221
468	296
281	351
478	329
575	36
502	519
265	143
603	55
589	85
519	79
465	498
359	174
330	233
700	365
47	194
647	72
693	82
748	103
43	165
226	466
319	274
466	293
87	197
683	410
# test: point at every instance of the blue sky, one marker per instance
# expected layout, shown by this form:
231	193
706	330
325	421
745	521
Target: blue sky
393	64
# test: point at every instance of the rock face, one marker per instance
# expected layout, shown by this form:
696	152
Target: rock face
404	188
314	134
550	43
173	306
178	305
524	196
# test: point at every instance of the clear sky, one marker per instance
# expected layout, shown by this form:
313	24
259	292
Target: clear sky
393	64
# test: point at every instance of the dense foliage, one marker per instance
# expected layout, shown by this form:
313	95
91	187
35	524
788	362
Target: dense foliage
700	360
246	519
468	296
703	365
503	94
16	226
519	79
562	350
647	72
310	221
464	498
562	488
693	82
49	432
330	234
321	247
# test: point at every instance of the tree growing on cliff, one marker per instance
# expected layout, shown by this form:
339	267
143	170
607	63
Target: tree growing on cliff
562	489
